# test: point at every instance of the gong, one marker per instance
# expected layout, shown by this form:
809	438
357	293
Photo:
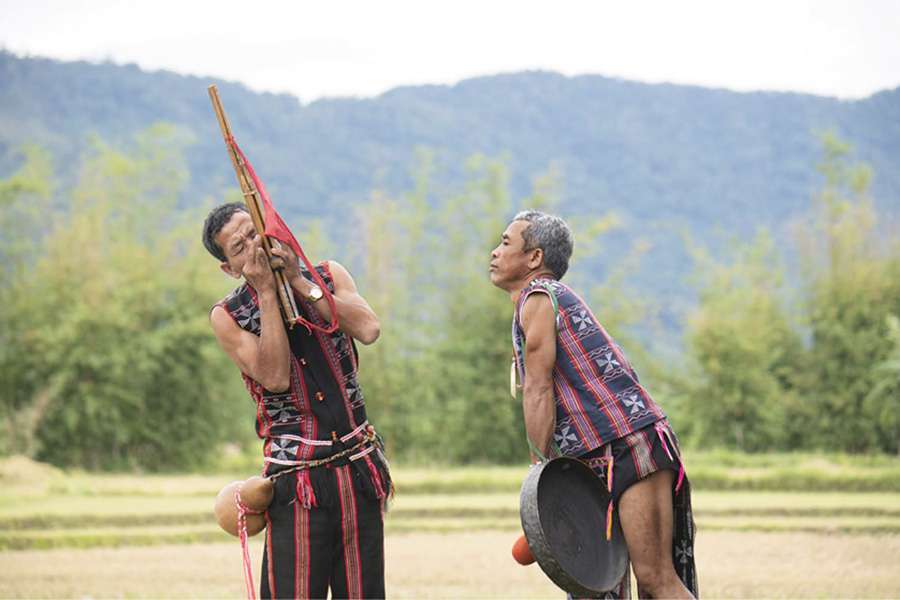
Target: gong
563	507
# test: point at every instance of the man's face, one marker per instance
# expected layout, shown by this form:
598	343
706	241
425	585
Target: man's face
236	241
510	263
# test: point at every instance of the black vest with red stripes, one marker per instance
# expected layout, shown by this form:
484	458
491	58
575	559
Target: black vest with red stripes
323	410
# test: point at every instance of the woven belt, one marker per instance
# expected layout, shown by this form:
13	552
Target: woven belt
299	465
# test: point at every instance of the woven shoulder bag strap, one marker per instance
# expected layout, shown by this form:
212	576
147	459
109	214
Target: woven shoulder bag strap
548	287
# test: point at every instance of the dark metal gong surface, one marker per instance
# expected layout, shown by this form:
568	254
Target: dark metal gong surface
563	509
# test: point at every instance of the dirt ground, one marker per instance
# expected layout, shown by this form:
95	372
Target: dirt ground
468	565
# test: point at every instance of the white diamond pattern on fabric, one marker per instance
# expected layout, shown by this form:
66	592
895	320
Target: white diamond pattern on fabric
565	437
581	320
634	402
608	363
283	449
684	551
281	411
247	317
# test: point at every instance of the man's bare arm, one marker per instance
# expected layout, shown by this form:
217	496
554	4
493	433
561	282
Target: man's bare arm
354	315
539	324
265	358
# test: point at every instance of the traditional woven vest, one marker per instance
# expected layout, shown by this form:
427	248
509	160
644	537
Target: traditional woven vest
598	396
323	411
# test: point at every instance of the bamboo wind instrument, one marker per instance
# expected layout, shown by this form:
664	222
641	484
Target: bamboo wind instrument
254	205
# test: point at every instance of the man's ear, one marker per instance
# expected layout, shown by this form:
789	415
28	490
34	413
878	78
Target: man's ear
536	258
226	268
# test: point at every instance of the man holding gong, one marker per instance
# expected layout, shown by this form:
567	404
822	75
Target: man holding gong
582	398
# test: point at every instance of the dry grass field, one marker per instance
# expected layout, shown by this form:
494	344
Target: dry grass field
467	565
70	535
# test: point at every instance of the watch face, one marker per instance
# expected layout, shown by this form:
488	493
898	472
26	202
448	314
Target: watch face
315	292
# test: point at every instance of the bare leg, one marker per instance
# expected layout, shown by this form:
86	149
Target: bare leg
645	511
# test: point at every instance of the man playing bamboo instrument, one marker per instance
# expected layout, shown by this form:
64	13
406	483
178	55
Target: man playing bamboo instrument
582	398
324	525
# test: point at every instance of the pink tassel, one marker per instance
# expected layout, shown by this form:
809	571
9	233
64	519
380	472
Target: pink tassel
305	494
662	438
609	516
660	428
609	474
380	492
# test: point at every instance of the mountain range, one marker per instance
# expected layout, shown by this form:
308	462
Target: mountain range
665	158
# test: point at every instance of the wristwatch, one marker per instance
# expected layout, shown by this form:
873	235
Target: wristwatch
315	293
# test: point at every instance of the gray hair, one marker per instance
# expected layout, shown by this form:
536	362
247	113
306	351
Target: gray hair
552	235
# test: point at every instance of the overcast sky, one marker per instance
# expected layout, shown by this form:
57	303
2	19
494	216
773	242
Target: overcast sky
322	48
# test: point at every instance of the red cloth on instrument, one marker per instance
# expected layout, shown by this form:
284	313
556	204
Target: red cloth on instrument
278	229
275	225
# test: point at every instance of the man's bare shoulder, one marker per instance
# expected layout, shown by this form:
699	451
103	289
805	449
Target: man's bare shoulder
222	323
536	305
335	268
340	276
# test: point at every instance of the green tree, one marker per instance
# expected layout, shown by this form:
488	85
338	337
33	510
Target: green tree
483	423
435	380
744	352
24	200
883	401
113	323
399	253
852	289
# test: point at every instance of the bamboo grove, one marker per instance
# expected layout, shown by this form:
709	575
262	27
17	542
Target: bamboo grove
107	360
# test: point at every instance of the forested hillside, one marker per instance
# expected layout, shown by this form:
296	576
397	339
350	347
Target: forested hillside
786	339
668	160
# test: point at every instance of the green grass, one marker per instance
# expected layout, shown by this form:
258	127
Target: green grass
42	507
708	471
93	521
111	537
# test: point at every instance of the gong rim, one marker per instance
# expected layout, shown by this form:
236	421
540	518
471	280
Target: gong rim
543	539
